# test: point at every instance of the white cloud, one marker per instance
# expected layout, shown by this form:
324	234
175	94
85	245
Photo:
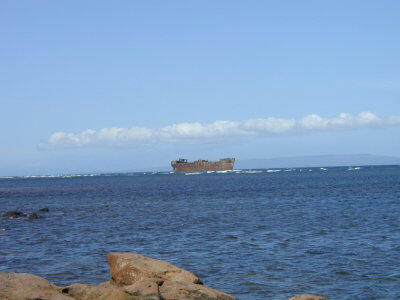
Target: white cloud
198	132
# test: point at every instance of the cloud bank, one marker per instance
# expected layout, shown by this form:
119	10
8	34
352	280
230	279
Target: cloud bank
197	132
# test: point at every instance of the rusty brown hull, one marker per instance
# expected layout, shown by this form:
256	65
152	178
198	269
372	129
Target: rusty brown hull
225	164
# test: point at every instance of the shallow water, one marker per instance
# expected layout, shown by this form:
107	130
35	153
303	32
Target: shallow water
256	235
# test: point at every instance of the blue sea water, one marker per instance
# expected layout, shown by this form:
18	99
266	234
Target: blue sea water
263	234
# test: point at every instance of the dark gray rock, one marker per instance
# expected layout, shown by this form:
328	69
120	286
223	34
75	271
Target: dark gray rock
14	214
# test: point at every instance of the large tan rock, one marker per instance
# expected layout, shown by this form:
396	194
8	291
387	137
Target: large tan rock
128	268
23	286
173	290
308	297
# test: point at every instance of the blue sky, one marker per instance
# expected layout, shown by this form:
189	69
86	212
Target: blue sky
165	73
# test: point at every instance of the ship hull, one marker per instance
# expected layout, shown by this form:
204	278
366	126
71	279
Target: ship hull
225	164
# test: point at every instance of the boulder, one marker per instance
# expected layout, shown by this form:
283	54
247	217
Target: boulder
23	286
308	297
173	290
14	214
129	268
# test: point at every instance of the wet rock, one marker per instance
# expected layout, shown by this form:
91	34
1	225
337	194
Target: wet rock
173	290
14	214
23	286
308	297
44	209
33	216
128	268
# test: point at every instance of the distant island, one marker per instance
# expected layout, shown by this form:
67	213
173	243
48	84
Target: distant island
318	161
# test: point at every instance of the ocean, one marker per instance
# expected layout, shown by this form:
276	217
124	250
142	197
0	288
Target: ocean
255	234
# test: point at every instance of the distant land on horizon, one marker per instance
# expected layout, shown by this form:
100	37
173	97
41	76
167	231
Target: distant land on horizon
332	160
318	161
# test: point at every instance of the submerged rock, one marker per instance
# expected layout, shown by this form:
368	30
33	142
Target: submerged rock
14	214
33	216
44	209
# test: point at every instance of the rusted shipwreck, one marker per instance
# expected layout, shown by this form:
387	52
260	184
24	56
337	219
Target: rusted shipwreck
182	165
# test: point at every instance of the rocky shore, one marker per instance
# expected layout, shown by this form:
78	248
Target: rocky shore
132	277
